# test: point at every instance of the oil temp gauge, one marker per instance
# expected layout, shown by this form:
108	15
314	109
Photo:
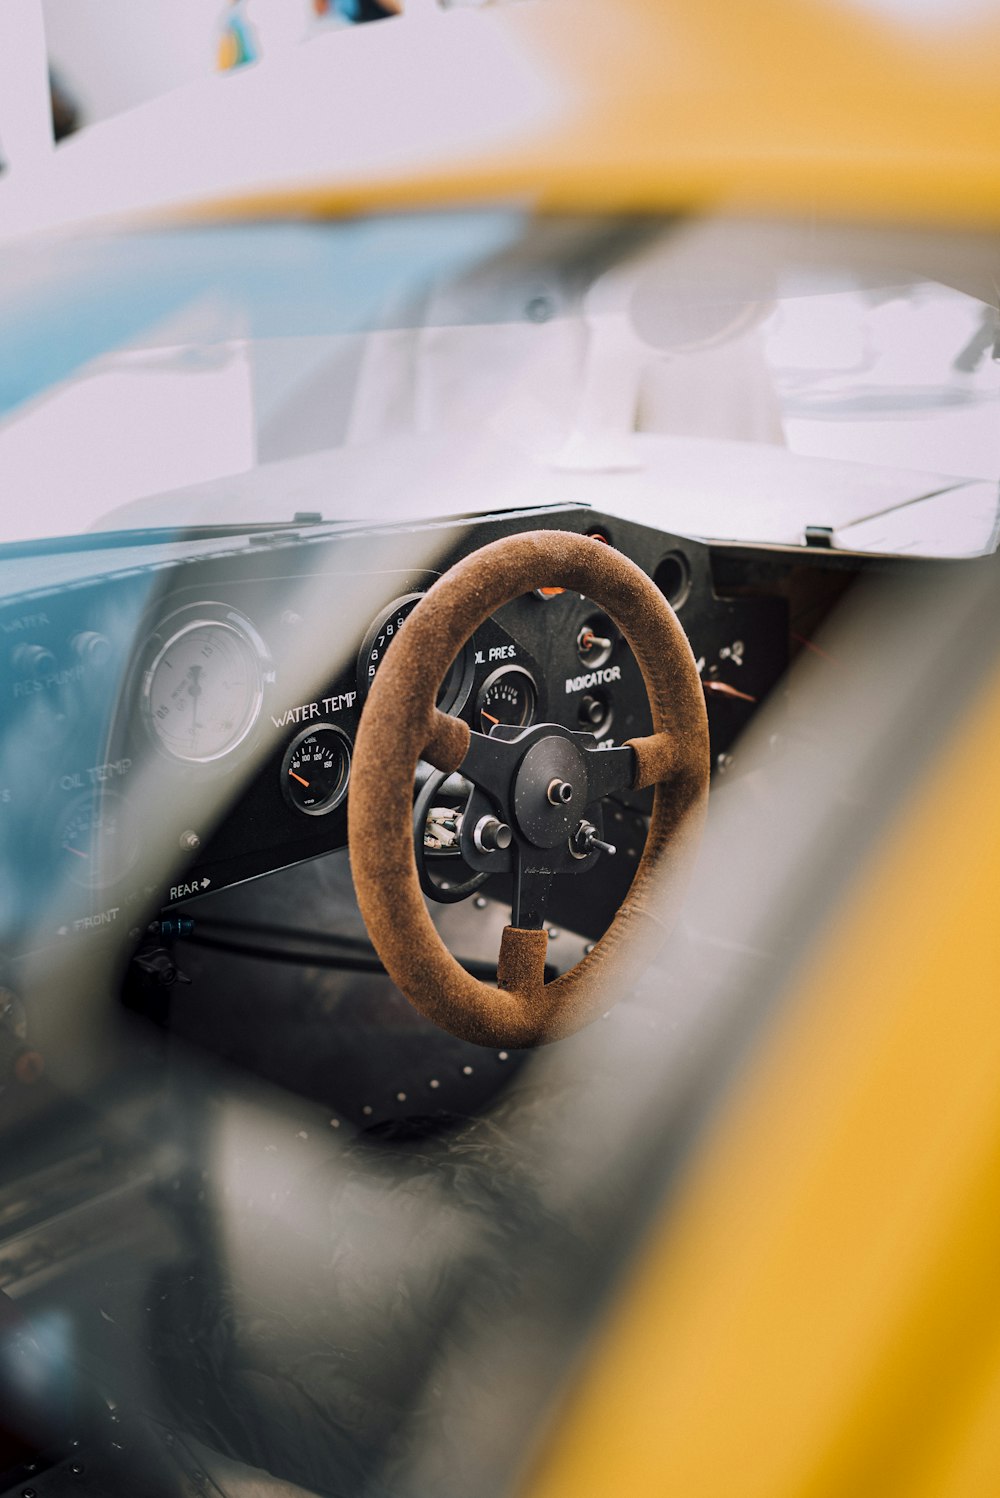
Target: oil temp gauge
508	696
316	769
98	840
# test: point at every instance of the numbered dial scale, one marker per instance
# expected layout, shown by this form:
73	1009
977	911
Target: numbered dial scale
98	840
457	683
316	769
203	688
509	696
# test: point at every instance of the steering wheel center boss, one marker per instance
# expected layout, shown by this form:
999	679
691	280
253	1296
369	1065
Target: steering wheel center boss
535	808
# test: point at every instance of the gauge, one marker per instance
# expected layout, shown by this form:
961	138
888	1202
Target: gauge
508	696
203	690
458	679
316	769
98	842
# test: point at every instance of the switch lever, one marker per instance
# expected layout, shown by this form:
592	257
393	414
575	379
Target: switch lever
585	841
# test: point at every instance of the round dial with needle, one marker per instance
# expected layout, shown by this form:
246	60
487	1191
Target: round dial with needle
316	769
98	843
508	696
203	690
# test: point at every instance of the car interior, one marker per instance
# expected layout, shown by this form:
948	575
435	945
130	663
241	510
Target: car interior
414	810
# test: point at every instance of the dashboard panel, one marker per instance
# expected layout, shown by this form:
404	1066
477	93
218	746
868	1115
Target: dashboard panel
181	712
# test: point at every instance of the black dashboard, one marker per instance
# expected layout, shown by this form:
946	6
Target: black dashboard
180	717
181	710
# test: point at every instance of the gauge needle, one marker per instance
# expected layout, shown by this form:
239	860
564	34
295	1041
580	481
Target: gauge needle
299	779
485	714
194	687
78	851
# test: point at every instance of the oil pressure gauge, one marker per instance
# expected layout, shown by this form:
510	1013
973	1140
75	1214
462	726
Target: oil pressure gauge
508	696
316	769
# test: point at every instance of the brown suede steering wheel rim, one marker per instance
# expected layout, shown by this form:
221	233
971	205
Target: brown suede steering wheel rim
401	724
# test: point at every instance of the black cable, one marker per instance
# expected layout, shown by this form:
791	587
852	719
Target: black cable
347	962
357	961
287	933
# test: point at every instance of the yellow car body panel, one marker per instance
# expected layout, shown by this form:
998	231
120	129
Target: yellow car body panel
815	1312
865	110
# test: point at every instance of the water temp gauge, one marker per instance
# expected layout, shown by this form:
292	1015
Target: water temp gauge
508	696
316	769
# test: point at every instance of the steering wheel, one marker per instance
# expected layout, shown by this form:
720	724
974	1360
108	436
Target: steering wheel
536	793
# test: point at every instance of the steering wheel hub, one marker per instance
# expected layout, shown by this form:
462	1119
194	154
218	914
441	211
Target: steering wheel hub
545	815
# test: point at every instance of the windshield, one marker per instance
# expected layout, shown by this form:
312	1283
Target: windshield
736	379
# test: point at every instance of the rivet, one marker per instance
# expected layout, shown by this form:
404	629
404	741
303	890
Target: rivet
400	1097
335	1123
366	1110
502	1056
480	902
467	1070
76	1468
434	1082
553	934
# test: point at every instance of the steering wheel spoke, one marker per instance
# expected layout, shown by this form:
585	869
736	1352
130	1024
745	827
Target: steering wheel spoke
447	742
490	764
533	878
521	965
609	772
